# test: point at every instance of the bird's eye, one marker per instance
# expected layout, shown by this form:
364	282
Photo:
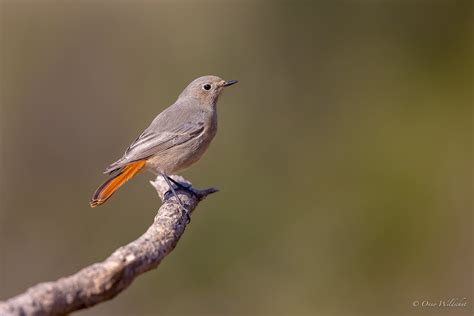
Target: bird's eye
207	86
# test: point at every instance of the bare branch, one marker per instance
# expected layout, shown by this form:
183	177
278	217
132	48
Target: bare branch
102	281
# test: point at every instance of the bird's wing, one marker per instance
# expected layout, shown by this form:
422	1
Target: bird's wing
152	142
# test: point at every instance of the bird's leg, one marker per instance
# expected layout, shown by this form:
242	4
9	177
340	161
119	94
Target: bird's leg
184	186
167	179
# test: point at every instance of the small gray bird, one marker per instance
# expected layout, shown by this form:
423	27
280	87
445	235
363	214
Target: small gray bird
177	138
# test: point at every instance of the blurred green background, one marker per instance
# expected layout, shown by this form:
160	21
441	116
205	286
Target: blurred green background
344	155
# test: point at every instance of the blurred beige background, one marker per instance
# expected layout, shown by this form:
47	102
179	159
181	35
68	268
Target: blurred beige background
344	155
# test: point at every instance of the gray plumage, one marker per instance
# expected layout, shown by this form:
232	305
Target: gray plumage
180	134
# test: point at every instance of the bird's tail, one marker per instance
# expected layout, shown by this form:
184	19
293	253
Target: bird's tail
105	191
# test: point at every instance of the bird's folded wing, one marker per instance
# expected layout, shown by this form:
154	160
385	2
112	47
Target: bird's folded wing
150	143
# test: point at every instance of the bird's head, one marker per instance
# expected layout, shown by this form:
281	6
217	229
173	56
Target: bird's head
206	89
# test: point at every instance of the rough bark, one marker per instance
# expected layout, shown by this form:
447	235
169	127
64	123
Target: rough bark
102	281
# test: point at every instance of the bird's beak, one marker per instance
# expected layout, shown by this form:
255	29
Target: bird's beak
229	83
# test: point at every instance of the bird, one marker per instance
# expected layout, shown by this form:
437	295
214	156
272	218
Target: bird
175	139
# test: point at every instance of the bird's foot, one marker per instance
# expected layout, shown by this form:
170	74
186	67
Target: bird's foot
185	186
181	185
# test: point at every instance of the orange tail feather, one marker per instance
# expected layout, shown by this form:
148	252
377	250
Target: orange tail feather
105	191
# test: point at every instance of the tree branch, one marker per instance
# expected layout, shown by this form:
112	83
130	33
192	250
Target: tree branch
102	281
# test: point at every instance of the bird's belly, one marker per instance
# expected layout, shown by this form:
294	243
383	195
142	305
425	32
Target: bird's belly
181	156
